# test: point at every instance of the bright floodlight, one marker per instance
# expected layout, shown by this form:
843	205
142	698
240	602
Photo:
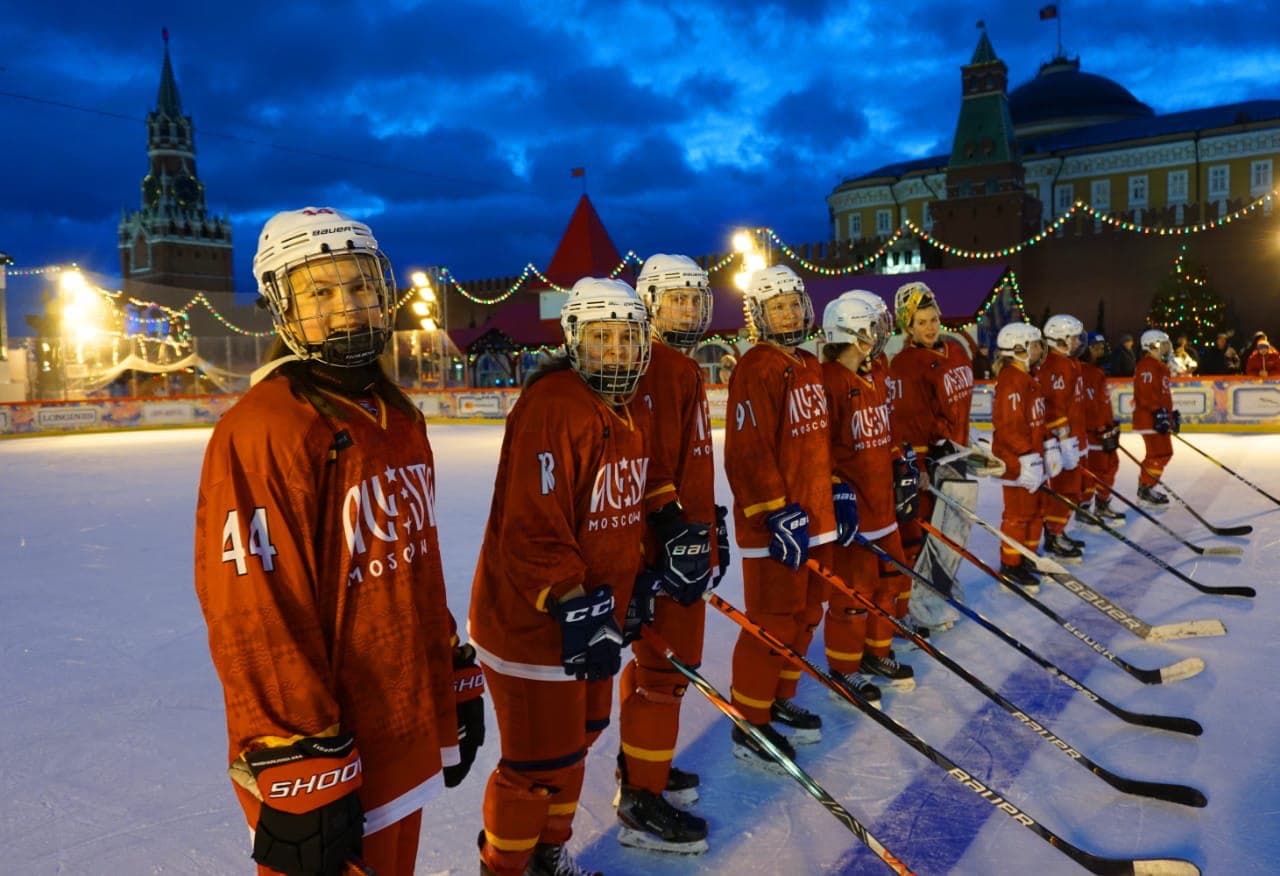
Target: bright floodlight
741	279
419	279
743	242
429	324
420	308
755	261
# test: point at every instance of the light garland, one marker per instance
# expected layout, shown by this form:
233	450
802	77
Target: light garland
832	272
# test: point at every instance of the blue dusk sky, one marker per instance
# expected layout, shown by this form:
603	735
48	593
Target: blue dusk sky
452	127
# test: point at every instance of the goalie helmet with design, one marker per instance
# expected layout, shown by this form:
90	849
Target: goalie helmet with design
678	295
778	306
857	316
1156	341
1021	341
909	298
1063	331
606	334
328	286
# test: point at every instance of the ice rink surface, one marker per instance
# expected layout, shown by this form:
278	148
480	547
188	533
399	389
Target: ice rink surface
112	740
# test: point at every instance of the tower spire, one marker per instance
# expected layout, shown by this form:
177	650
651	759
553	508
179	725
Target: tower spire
167	101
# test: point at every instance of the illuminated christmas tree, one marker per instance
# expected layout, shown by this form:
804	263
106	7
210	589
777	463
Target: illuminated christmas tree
1185	304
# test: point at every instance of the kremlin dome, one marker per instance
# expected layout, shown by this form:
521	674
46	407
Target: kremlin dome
1062	98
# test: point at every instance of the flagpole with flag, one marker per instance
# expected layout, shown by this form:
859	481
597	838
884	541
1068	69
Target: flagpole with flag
1051	11
580	173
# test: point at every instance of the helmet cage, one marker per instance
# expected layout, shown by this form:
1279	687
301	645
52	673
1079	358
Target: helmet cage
606	334
666	277
869	324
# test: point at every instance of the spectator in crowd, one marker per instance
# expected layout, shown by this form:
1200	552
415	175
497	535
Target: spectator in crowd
1264	361
1183	361
1123	359
1221	358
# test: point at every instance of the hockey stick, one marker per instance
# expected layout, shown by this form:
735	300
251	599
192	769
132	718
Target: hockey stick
1091	862
1182	794
1185	668
1243	529
1131	622
1229	471
793	769
1212	590
1230	550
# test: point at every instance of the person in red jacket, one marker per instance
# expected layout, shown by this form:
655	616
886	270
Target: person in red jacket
1103	434
1154	416
856	326
1020	440
777	458
677	294
1264	361
1062	386
555	587
317	566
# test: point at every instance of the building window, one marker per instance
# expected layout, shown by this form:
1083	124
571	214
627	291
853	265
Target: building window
903	215
855	226
1100	194
884	222
1137	191
1259	177
1064	195
1177	187
927	217
1219	182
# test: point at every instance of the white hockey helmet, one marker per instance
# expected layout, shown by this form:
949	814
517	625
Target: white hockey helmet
1016	339
767	284
606	333
677	293
328	286
1156	341
1061	328
909	298
857	316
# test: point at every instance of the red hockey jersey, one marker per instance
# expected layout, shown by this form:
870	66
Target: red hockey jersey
932	394
862	446
1097	400
1017	420
1150	392
776	447
1064	400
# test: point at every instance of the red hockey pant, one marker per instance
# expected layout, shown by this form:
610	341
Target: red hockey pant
1023	520
850	626
1068	484
1159	452
1104	466
650	691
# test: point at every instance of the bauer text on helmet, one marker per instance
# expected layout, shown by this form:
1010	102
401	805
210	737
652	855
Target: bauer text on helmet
857	317
606	334
677	293
779	306
1063	331
328	286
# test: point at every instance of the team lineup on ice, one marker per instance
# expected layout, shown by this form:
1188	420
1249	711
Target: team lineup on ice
977	652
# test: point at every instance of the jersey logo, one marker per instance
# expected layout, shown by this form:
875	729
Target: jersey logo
806	409
619	485
370	509
547	467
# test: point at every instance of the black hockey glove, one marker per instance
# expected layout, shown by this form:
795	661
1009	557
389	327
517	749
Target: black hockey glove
789	536
311	820
1163	423
1111	438
685	554
644	600
906	484
846	503
722	544
590	641
1175	422
468	699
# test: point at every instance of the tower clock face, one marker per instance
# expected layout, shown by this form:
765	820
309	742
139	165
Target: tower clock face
186	189
151	190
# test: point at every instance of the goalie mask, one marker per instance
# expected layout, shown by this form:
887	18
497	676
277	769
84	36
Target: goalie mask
778	306
857	316
327	285
677	294
1021	341
606	334
909	298
1064	331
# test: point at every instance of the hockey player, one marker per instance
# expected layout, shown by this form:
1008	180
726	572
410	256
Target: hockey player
856	327
677	294
317	566
1020	441
1103	460
1154	416
1062	386
778	463
553	589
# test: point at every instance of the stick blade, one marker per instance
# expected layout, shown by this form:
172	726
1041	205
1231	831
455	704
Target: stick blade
1187	668
1229	550
1165	867
1186	630
1232	530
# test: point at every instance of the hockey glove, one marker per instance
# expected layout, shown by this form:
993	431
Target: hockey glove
1175	422
1111	438
590	641
1163	422
846	513
1070	450
311	820
789	536
940	451
906	484
1052	458
684	554
722	543
468	699
642	605
1031	473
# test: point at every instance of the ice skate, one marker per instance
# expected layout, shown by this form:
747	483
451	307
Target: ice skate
553	860
1062	550
1151	497
650	822
1103	510
682	786
806	727
1022	576
861	684
747	749
896	675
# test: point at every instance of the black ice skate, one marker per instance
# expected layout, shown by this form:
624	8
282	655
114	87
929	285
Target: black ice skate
745	748
1087	518
549	860
1073	541
1062	550
650	822
1102	509
806	727
860	683
682	786
913	626
896	675
1022	576
1151	497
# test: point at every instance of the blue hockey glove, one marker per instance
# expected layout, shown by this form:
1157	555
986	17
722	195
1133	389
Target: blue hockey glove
684	563
789	541
590	641
642	605
846	503
1163	422
1111	438
722	544
906	484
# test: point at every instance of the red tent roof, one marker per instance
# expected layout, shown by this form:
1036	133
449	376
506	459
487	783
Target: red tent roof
585	249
